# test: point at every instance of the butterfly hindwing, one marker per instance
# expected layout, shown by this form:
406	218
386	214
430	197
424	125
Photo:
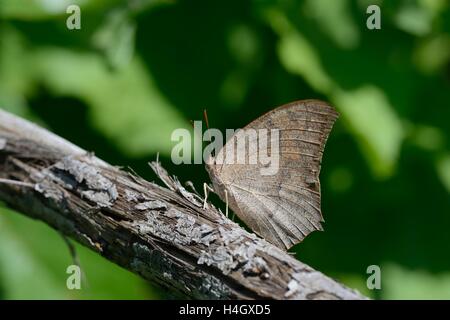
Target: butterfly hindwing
283	207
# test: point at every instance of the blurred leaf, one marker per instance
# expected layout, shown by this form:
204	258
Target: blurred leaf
366	110
15	72
372	120
400	283
428	138
340	179
116	38
413	19
244	44
36	9
433	53
334	18
126	106
23	276
46	9
443	168
234	88
297	55
34	258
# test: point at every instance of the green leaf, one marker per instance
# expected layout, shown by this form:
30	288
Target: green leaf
334	18
116	38
297	55
378	129
35	9
443	169
400	283
432	54
414	19
125	105
34	259
46	9
366	110
15	72
22	276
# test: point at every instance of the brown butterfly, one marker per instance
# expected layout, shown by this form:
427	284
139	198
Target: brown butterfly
283	207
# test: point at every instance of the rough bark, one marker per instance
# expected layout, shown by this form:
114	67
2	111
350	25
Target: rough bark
160	233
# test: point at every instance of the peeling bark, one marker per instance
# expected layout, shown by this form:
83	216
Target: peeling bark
160	233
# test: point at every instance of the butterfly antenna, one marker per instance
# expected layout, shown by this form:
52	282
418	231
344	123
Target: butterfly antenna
205	116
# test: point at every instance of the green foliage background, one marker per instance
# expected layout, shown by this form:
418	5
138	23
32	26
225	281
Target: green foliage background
140	68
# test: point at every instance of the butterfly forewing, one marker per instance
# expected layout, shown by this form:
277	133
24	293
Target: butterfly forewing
283	207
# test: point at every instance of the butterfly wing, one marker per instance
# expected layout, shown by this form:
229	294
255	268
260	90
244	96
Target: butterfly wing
284	207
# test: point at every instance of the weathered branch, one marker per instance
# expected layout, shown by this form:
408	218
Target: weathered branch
162	234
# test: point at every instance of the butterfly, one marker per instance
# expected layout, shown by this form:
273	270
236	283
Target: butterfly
283	207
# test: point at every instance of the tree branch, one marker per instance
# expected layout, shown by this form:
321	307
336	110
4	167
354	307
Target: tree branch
160	233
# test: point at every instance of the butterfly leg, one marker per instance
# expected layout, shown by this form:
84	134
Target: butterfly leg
205	193
226	203
206	188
